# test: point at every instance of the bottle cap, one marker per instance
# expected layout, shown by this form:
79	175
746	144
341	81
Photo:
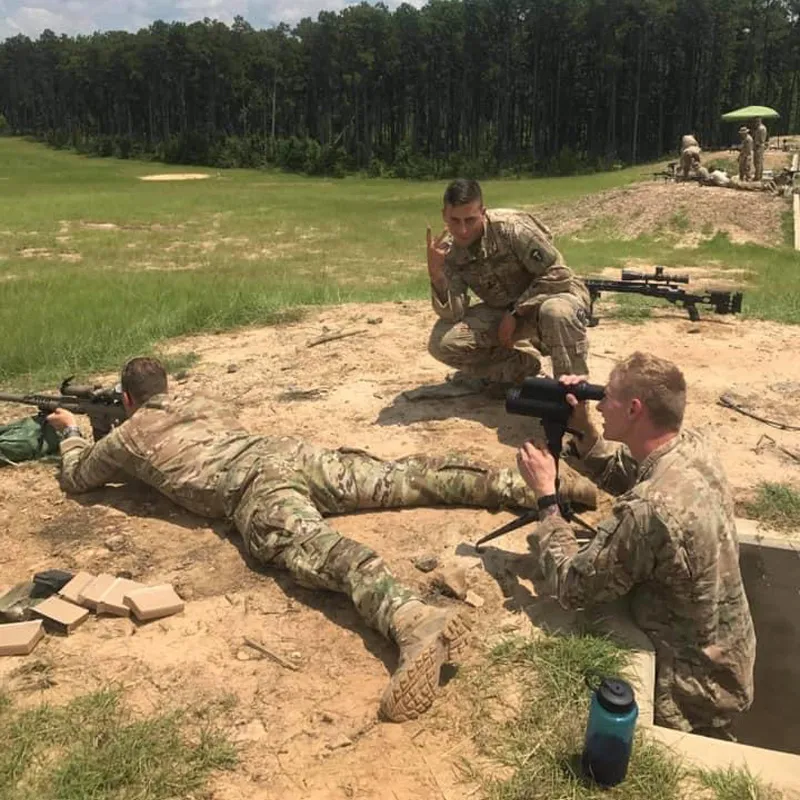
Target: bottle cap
616	695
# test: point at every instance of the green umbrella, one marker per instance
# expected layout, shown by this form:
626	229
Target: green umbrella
750	112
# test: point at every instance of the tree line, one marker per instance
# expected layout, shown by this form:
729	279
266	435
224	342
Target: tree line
458	87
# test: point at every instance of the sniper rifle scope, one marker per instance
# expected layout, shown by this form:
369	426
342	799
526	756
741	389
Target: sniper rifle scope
546	398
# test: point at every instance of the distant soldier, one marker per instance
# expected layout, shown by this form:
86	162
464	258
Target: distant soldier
690	155
759	145
745	154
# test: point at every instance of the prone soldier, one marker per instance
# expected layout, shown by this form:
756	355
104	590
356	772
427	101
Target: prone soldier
276	491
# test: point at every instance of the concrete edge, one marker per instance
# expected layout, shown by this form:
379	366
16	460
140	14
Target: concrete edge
776	767
782	770
751	531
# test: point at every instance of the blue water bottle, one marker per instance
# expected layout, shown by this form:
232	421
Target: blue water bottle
609	732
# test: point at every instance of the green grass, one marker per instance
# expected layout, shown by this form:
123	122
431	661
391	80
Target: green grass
242	247
776	504
539	738
736	784
528	719
97	266
93	748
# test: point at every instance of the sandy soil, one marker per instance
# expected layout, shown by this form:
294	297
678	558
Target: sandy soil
703	210
686	212
312	733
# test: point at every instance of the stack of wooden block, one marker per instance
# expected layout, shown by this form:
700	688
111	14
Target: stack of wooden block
85	593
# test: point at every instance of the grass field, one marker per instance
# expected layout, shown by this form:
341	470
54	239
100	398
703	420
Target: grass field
97	266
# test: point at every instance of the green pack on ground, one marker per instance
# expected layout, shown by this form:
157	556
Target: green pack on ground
27	439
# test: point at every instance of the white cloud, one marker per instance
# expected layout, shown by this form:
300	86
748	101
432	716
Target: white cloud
31	17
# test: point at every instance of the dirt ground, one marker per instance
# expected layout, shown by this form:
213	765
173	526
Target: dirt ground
312	732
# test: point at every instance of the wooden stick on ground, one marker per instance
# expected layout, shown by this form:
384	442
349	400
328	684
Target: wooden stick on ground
332	337
269	654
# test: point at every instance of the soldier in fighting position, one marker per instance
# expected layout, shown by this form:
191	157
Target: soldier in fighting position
670	545
276	491
533	304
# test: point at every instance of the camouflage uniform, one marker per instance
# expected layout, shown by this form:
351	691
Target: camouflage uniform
672	546
746	156
690	159
759	144
276	491
513	265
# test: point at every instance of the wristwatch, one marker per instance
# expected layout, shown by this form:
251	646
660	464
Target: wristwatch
546	501
69	432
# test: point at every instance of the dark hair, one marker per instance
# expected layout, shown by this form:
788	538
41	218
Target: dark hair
461	192
143	378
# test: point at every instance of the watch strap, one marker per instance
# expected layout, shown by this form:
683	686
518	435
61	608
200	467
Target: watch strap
546	501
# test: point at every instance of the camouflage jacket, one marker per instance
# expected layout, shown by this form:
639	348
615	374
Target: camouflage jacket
672	546
193	450
746	147
760	136
514	263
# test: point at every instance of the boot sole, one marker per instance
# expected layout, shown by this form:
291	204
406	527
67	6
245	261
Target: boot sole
411	693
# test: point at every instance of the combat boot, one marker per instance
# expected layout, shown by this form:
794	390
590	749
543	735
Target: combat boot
428	637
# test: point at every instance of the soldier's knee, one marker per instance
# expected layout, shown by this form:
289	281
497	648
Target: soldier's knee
444	341
558	314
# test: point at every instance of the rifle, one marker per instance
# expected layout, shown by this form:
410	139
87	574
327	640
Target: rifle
546	399
665	286
103	406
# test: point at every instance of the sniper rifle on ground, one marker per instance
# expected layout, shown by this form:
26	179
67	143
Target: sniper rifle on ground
103	406
546	399
663	285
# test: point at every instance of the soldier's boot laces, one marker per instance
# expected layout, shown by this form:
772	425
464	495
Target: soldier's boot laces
428	637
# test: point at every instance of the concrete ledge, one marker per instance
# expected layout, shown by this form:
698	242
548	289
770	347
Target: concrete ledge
782	770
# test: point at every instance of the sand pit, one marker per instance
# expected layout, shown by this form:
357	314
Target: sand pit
176	176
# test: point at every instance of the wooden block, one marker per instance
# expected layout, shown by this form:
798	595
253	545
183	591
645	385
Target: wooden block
112	601
72	591
154	602
59	615
90	596
19	638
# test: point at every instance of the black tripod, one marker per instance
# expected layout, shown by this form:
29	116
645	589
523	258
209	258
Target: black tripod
554	434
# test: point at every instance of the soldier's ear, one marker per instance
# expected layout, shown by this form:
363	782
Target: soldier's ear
635	407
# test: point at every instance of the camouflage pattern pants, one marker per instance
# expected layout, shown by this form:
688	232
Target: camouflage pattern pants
280	515
557	329
758	161
745	167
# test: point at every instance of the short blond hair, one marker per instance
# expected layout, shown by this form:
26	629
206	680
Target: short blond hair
658	383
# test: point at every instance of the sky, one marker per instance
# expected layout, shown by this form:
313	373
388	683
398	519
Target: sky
31	17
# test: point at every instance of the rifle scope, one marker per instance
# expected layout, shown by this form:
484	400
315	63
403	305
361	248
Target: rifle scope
546	398
659	276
